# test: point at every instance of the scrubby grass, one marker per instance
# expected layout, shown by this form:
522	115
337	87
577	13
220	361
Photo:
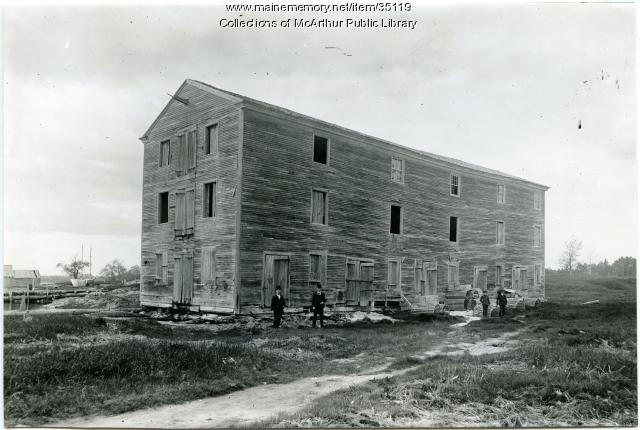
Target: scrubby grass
48	327
575	365
59	366
560	287
119	376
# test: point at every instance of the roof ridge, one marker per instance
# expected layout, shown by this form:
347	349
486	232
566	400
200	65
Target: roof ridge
441	158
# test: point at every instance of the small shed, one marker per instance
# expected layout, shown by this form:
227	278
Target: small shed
25	279
7	278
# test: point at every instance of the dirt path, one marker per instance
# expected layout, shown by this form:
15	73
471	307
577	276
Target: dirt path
242	408
237	409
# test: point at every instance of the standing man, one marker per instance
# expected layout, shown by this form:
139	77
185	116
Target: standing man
277	306
485	303
317	305
502	302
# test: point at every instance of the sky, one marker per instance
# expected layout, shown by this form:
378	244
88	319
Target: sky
504	86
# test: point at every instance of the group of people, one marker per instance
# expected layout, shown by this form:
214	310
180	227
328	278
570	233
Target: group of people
318	301
317	306
501	302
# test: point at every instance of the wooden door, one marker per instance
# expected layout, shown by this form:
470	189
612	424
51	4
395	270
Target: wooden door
432	282
177	279
359	282
430	278
518	278
366	283
183	279
481	279
352	293
275	273
523	278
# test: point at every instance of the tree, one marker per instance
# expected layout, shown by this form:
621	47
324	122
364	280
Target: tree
74	267
114	272
624	267
569	257
133	273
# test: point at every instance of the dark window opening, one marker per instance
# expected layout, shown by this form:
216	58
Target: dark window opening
320	146
211	141
396	219
209	200
165	158
163	208
453	229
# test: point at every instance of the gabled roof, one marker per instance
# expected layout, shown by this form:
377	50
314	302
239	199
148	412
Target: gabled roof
238	98
26	274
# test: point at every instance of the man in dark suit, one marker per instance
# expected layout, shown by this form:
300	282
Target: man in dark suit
317	305
277	306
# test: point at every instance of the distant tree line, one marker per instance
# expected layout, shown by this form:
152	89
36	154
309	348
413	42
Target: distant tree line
623	267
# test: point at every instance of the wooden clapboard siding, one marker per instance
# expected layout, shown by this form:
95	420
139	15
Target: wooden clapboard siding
218	232
264	174
279	175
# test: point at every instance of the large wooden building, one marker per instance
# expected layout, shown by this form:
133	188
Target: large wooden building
241	196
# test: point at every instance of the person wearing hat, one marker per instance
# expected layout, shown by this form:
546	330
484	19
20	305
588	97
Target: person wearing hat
277	306
502	302
485	303
317	305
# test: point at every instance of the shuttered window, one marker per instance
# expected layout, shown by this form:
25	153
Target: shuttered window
317	268
318	207
190	210
209	200
186	151
394	273
208	267
501	193
537	274
211	140
185	212
537	235
191	150
181	215
537	200
158	266
397	170
499	233
498	279
162	267
181	143
165	153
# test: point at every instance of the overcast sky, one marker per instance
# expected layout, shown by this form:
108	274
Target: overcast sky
504	86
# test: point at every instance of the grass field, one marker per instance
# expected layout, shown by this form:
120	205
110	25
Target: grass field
59	366
573	365
560	287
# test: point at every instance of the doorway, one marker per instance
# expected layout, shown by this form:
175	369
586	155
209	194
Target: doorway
359	282
275	273
183	279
